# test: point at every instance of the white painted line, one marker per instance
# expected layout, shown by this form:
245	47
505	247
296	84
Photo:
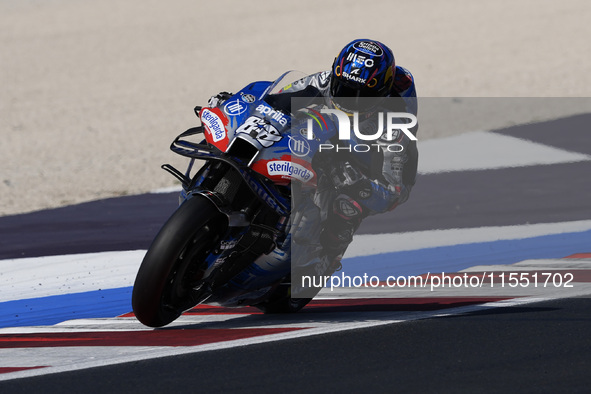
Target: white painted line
477	150
60	360
67	274
481	150
371	244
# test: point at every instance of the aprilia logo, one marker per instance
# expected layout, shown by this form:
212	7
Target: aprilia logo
273	114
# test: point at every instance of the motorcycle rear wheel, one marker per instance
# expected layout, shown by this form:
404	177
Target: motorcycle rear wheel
281	302
175	261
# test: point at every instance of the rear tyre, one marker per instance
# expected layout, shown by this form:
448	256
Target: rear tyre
281	302
175	262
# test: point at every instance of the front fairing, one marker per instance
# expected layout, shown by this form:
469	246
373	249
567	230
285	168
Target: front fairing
285	153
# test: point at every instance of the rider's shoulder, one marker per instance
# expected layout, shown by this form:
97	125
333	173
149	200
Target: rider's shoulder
319	80
403	80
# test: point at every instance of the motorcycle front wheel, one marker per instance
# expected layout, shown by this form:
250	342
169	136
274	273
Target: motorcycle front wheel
175	262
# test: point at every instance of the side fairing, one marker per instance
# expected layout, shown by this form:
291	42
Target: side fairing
285	154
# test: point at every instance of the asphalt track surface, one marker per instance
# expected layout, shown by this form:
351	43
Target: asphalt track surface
537	347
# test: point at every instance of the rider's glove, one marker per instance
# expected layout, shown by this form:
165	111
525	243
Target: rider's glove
218	99
373	196
348	180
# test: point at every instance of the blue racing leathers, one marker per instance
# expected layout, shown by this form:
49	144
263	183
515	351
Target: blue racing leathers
367	184
391	175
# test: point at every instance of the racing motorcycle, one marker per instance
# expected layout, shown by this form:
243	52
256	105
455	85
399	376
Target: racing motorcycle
229	242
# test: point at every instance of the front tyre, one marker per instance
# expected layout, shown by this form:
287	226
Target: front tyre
175	262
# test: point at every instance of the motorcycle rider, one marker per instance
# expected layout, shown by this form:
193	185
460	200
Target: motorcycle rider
371	185
363	69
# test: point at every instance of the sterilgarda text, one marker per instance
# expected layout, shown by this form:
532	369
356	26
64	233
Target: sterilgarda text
381	139
288	168
214	124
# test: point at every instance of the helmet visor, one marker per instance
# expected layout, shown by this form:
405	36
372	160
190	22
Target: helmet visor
339	88
350	99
